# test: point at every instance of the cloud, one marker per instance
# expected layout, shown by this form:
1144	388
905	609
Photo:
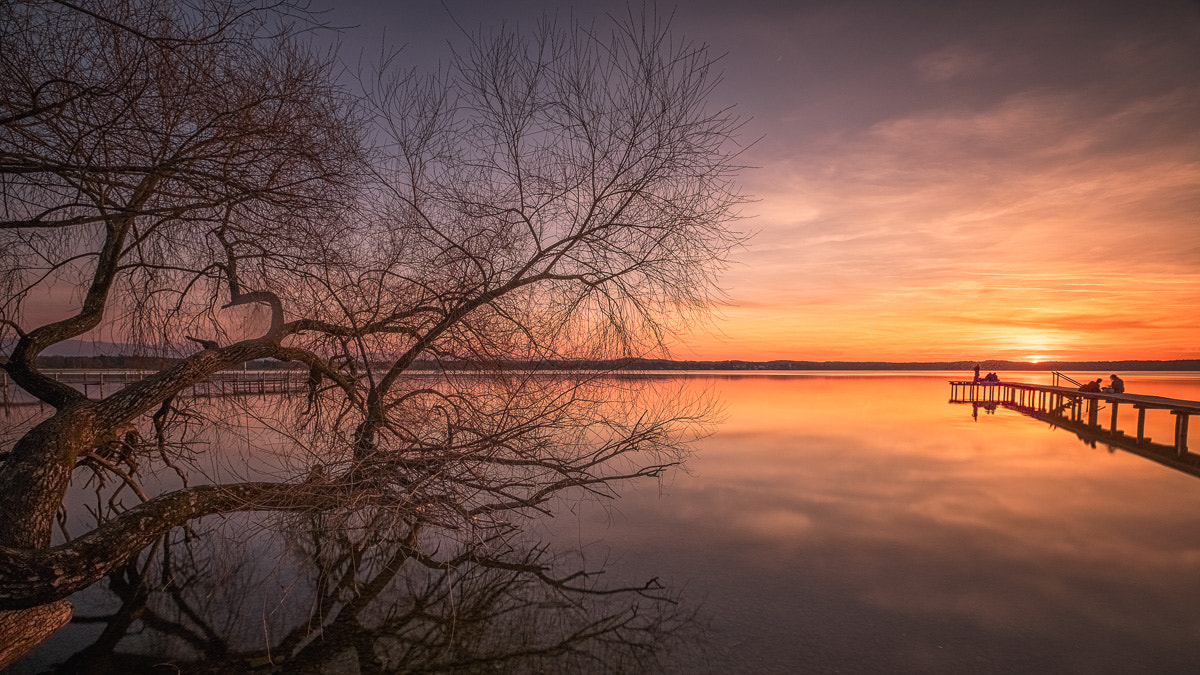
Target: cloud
938	182
950	63
1038	169
1044	221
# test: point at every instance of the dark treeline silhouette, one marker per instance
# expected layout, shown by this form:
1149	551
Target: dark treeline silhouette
124	362
106	362
991	365
146	362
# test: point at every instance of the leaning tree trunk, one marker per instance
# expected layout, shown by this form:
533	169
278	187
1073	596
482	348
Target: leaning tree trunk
33	480
22	630
34	580
35	475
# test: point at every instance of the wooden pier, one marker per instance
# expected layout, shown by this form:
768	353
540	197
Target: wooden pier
96	384
1079	408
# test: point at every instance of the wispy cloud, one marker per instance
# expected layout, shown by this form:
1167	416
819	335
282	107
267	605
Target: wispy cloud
994	216
951	180
950	63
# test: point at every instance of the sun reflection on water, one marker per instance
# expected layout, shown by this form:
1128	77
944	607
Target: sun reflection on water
833	511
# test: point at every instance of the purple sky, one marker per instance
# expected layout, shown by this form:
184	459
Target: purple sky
935	179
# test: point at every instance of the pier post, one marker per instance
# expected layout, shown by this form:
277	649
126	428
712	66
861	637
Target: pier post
1093	411
1181	430
1112	422
1141	422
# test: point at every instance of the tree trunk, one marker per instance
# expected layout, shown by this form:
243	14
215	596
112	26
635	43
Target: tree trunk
35	475
23	629
33	576
37	574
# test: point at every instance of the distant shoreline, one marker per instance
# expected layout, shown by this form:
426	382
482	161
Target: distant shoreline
154	363
110	355
984	366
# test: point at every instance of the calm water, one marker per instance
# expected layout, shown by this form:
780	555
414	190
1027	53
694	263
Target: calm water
861	523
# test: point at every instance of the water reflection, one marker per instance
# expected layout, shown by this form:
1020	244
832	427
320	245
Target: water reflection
418	562
858	523
833	523
333	599
1068	415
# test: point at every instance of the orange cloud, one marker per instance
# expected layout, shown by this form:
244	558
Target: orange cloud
1034	227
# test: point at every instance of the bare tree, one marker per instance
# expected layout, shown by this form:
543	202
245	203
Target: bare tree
198	175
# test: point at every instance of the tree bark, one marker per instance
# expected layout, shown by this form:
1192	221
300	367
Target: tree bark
23	629
30	577
35	476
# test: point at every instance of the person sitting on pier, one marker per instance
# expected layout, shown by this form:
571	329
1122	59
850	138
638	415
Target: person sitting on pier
1092	386
991	378
1117	385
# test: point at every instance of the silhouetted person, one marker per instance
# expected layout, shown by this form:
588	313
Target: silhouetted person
977	373
1117	384
991	378
1092	386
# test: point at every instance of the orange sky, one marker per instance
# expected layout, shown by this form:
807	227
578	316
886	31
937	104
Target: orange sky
1005	181
939	180
1032	227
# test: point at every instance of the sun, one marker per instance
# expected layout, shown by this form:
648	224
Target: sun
1038	358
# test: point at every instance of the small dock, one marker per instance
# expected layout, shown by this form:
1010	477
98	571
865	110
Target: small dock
1079	408
97	384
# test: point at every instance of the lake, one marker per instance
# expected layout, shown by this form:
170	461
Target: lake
859	522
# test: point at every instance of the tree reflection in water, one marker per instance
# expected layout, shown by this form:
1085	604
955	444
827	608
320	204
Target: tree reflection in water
421	564
372	599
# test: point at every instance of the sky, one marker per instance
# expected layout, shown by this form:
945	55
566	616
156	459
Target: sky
930	180
935	180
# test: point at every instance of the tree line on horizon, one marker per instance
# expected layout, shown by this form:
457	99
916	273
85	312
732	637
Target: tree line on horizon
624	364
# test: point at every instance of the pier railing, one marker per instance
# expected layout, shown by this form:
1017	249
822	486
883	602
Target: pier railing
99	383
1058	378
